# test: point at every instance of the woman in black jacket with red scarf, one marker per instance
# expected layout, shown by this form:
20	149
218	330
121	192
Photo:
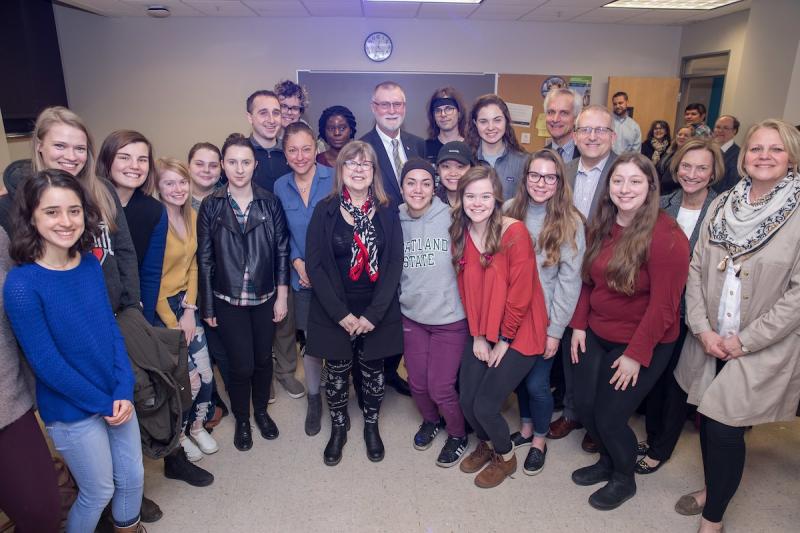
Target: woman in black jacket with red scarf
243	263
354	258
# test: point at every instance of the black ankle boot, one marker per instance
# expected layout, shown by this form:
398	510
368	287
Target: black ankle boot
177	466
243	435
333	451
596	473
150	511
619	489
372	438
267	426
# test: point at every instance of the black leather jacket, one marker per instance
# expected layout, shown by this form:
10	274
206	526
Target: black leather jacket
223	250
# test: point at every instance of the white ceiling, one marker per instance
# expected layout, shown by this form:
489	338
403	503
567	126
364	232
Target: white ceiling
586	11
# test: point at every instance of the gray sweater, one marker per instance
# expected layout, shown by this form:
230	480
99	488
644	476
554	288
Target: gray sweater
561	283
428	286
16	379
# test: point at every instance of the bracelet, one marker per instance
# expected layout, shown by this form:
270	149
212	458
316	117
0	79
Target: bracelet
188	306
504	338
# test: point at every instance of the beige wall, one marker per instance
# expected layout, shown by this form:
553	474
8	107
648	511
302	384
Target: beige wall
719	35
181	80
792	110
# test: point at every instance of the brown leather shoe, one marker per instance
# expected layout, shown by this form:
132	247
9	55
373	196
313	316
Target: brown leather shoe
481	455
561	427
496	472
589	445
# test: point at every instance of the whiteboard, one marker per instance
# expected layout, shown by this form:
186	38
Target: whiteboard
354	91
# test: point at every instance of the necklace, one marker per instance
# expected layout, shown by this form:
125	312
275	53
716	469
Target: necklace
54	267
302	188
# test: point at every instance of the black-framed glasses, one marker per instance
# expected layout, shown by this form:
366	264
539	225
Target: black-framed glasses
599	131
444	111
535	177
291	108
352	164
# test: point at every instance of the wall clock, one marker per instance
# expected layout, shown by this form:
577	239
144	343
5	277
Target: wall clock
378	46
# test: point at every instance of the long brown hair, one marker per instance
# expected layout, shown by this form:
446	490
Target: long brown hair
632	250
452	93
116	141
461	222
352	150
98	192
509	137
561	218
173	165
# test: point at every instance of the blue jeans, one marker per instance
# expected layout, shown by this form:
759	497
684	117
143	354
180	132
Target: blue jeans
201	374
535	398
106	462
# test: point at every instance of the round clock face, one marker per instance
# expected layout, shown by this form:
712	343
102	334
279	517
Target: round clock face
378	46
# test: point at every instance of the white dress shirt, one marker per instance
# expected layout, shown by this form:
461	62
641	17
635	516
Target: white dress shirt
586	181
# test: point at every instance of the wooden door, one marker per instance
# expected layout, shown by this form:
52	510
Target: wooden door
651	99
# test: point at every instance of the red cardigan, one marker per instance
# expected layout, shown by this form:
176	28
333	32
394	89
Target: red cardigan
505	298
650	315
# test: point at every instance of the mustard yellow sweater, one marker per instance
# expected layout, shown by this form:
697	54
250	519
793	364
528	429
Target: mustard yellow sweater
179	272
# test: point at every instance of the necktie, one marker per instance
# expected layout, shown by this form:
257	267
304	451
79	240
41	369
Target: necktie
561	152
398	161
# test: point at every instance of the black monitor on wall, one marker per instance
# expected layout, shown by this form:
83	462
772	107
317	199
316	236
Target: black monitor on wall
30	61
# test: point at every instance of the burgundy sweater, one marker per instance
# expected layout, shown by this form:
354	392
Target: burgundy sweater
650	315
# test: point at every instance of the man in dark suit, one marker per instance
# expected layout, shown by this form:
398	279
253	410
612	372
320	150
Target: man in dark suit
594	136
725	129
392	145
561	106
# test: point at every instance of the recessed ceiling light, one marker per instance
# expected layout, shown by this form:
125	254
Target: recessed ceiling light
430	1
158	12
671	4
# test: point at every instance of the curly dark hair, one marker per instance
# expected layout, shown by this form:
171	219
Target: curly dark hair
336	110
288	88
27	244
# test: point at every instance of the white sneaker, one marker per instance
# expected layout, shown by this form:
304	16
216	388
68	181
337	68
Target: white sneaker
205	442
193	453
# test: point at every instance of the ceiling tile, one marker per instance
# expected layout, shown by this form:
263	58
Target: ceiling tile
109	8
446	11
176	7
341	8
547	13
488	11
608	16
277	8
586	4
221	8
391	9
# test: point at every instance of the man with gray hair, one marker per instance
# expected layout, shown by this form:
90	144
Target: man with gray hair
561	106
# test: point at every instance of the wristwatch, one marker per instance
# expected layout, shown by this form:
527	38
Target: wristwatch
504	338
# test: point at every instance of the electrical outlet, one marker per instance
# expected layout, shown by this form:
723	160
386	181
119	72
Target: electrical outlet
526	138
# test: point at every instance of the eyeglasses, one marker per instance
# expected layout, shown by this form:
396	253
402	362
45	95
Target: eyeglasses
444	111
600	131
291	108
352	164
535	177
386	106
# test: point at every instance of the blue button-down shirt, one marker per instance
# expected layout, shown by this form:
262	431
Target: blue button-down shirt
298	215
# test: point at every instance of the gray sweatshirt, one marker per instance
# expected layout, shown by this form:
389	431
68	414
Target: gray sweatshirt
16	379
428	286
561	283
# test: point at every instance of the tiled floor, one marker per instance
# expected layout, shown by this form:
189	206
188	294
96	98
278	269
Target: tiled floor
283	485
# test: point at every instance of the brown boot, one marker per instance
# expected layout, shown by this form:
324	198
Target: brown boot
496	472
481	455
138	527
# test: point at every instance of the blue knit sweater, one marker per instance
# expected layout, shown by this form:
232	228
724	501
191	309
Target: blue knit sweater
64	323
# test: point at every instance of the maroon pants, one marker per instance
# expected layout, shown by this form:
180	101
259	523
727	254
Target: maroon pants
29	488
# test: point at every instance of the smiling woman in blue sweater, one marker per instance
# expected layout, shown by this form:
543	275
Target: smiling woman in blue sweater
57	304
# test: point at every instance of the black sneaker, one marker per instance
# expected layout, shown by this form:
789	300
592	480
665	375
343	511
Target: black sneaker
425	435
177	466
517	440
534	463
452	452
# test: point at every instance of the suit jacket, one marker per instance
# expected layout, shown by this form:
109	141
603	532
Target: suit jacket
672	205
731	176
414	147
572	172
576	153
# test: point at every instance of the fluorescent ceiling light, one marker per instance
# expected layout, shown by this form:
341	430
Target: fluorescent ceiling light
429	1
671	4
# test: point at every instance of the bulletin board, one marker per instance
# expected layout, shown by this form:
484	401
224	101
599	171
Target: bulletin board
524	94
354	90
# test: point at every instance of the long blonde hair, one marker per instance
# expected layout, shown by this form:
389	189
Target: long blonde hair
561	217
98	191
633	248
164	164
459	227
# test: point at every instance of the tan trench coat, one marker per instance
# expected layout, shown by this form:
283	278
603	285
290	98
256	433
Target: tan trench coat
764	385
